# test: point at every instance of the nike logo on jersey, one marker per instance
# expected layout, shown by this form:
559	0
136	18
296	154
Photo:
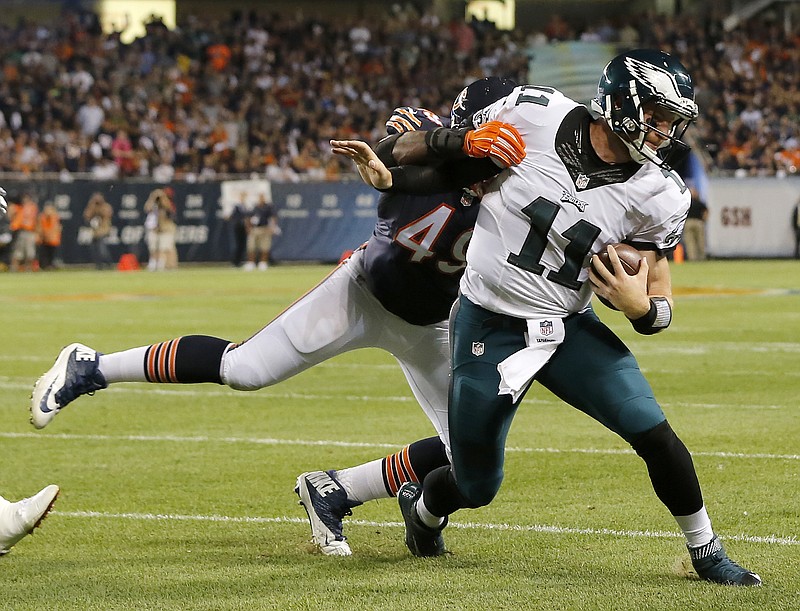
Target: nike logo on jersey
323	483
567	198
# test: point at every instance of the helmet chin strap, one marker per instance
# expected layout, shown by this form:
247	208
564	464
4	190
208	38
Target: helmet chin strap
639	151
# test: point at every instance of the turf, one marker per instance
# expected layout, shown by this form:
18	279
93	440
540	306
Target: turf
180	497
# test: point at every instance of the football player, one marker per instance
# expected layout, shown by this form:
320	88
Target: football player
394	293
524	310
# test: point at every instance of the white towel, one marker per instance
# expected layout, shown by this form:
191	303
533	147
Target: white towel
517	371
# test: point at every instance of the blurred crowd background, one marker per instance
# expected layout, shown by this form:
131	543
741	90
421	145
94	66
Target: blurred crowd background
262	92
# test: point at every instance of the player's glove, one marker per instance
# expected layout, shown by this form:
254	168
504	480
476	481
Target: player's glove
3	202
497	140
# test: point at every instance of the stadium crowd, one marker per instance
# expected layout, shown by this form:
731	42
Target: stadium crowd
264	93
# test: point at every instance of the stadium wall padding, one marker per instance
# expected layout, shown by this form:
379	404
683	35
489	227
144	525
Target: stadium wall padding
748	217
318	221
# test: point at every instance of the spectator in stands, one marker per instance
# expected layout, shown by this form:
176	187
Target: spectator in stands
122	151
98	215
50	230
90	117
293	79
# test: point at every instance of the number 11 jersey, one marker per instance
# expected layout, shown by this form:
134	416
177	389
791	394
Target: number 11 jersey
540	222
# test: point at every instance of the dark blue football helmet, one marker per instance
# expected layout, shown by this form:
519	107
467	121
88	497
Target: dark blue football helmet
476	96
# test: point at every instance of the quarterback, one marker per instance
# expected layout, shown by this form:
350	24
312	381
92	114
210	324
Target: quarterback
524	310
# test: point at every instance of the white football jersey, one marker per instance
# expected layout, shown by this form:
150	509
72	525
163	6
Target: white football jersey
542	220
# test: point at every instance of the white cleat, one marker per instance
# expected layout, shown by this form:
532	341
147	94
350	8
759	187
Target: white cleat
20	518
74	373
325	502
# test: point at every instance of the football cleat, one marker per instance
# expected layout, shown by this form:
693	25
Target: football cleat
421	540
712	564
20	518
325	502
74	373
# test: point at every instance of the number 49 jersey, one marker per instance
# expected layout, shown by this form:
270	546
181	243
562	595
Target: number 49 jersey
540	222
414	260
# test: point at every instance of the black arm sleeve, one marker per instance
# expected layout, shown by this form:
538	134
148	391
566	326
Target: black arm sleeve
422	147
422	180
385	150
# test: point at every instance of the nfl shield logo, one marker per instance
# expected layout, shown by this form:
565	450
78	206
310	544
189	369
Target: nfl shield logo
546	327
582	181
477	348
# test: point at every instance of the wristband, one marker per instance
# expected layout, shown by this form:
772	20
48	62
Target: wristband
446	143
657	318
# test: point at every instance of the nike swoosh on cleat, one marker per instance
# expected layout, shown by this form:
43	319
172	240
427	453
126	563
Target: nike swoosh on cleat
43	403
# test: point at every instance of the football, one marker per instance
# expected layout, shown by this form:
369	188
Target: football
630	258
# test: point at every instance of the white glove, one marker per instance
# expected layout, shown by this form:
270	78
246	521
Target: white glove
3	202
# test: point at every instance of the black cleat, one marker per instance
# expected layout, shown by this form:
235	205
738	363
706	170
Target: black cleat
421	540
712	564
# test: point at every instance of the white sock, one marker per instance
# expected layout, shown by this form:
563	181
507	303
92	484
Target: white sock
428	519
125	366
696	528
364	482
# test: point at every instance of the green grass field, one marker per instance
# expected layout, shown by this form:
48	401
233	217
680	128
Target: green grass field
180	497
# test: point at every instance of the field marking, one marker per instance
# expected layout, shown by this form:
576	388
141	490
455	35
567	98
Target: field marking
266	394
355	444
539	528
638	346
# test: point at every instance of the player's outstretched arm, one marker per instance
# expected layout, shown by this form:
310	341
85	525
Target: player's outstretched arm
371	169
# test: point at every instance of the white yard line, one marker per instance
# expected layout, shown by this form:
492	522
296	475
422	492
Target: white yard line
347	444
539	528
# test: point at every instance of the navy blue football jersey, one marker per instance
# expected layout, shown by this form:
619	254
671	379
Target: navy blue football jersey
417	253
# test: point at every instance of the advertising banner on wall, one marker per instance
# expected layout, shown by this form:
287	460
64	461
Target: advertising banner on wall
318	221
751	217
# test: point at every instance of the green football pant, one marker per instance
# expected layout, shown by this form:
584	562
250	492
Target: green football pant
592	370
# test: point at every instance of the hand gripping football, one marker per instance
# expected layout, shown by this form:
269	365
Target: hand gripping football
630	258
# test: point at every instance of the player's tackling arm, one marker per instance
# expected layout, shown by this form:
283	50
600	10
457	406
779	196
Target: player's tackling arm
462	157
